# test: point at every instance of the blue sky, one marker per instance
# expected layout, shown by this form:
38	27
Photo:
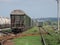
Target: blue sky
33	8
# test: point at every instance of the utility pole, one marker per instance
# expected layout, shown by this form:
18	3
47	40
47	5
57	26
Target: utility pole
58	13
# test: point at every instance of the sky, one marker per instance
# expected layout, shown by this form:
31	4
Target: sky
33	8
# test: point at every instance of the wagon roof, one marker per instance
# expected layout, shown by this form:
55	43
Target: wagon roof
18	12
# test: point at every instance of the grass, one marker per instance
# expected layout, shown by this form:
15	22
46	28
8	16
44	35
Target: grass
28	40
33	30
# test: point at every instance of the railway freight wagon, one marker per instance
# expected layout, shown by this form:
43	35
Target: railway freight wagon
32	23
40	23
19	21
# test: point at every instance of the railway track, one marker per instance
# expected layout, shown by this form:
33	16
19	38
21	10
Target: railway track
49	39
43	40
6	36
42	32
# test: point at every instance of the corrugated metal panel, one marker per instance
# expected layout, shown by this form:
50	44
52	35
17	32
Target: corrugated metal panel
17	20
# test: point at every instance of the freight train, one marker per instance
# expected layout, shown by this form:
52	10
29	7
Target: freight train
40	23
4	22
20	21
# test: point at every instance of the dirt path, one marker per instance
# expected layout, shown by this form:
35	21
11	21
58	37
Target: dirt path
23	35
8	42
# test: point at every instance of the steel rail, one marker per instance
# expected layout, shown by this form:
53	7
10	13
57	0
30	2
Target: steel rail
42	38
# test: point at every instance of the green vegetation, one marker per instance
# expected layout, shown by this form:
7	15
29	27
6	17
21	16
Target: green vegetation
33	30
54	38
28	40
